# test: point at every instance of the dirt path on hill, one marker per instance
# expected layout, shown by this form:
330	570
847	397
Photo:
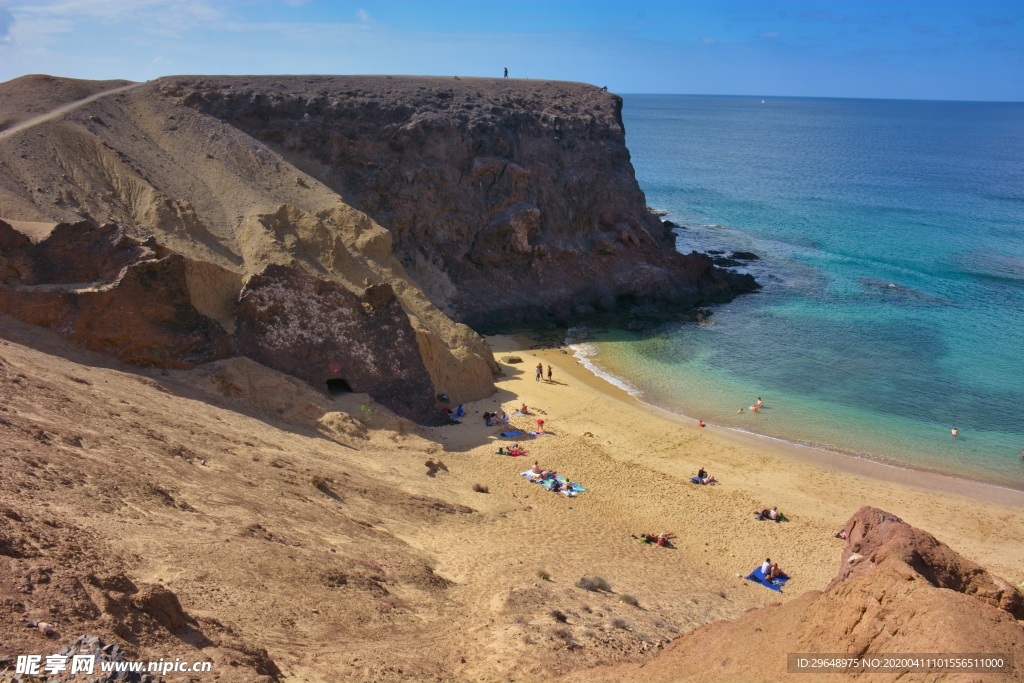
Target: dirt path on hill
59	111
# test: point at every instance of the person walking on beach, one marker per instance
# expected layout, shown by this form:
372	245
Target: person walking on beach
506	72
549	372
540	371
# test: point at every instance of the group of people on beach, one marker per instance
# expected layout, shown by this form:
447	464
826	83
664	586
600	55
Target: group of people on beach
539	474
540	372
704	478
515	450
490	419
770	570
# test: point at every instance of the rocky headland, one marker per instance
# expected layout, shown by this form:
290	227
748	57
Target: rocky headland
478	202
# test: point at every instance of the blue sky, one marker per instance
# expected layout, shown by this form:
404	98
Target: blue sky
896	49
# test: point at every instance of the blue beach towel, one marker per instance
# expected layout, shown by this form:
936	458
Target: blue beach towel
511	434
577	488
757	576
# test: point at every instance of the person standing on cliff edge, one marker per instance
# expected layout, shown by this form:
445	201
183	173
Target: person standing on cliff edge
506	72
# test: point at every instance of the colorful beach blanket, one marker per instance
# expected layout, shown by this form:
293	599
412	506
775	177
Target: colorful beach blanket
576	489
757	576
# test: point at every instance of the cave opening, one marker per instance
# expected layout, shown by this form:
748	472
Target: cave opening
338	386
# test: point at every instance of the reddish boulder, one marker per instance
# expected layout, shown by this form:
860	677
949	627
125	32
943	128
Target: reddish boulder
874	536
899	591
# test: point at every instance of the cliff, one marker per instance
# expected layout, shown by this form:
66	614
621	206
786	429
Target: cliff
478	201
509	202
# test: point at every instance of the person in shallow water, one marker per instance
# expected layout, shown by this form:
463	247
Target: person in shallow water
954	432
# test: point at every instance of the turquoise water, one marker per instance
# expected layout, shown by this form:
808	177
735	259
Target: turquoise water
891	237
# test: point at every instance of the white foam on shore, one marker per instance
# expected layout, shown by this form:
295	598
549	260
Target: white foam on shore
586	352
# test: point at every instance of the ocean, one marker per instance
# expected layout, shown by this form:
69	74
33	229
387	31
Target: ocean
891	244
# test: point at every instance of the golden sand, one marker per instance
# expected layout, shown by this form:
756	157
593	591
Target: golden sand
636	461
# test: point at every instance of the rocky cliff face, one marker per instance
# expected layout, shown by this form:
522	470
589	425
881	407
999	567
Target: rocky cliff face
496	203
321	332
509	202
898	590
109	292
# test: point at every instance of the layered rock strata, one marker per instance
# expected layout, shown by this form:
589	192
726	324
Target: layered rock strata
109	292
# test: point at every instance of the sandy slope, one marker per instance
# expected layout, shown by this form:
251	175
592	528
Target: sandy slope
202	482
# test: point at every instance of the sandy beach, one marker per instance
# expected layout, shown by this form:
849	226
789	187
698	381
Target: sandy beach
636	461
396	571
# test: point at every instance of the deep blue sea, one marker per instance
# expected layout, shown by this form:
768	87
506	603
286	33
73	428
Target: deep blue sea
891	244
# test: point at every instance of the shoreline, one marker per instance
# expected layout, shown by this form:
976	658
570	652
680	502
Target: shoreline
936	479
822	489
925	479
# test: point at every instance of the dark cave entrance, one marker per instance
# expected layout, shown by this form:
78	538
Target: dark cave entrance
338	386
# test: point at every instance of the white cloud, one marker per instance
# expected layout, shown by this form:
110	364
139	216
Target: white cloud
364	16
708	40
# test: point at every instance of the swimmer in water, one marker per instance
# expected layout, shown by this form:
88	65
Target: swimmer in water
954	432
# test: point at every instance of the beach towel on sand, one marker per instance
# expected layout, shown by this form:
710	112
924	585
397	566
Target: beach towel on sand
757	576
547	483
511	433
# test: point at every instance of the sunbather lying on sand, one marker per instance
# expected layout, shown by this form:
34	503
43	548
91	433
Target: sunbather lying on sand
662	540
772	514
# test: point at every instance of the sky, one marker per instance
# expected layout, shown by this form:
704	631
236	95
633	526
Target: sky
899	49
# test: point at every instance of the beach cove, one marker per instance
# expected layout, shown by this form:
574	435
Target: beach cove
636	461
886	235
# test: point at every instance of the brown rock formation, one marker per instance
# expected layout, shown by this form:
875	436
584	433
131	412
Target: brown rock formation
899	590
494	203
509	202
323	333
107	292
875	537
